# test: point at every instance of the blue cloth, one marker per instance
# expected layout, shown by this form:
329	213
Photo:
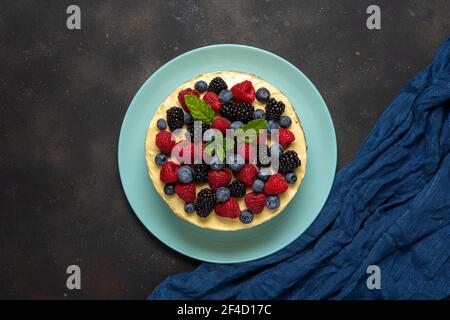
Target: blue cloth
390	207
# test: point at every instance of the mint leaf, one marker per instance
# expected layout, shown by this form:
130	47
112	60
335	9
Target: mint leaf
199	109
209	148
251	130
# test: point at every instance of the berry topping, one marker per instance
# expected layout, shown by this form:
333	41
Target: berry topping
189	208
290	177
258	185
185	175
223	194
175	118
188	118
216	164
289	161
285	122
262	94
225	96
169	189
161	124
273	202
185	92
169	172
213	100
264	159
259	114
160	159
228	209
237	189
206	199
247	174
285	137
217	84
164	142
246	217
275	185
235	162
274	109
220	124
264	174
201	86
255	202
272	125
243	92
196	132
236	125
186	192
218	179
201	172
237	111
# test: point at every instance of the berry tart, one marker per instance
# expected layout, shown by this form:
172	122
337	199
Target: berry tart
231	183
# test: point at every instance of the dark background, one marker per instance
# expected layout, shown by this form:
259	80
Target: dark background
63	95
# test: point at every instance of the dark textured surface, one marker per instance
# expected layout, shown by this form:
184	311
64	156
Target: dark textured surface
64	94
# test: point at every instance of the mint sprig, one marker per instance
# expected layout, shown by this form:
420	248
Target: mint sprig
199	109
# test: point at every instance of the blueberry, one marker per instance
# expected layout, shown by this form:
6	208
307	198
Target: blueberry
169	189
258	185
209	135
201	86
225	96
246	217
272	125
264	174
223	194
236	162
262	94
161	124
236	125
216	164
189	208
276	149
272	202
185	174
160	159
188	118
259	114
290	177
285	122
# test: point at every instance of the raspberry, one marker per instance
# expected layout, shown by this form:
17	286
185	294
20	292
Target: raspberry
201	172
164	142
206	199
289	161
248	153
237	189
185	92
169	172
220	124
247	175
217	84
228	209
275	185
213	100
274	109
285	137
237	111
255	202
217	179
243	92
186	192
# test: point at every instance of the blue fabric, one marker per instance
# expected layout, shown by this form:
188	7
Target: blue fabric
389	207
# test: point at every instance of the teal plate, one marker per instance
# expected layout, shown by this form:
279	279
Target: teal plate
242	245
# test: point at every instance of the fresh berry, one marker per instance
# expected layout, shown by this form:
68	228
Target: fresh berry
276	150
289	161
264	174
274	109
218	179
271	126
237	189
275	185
185	174
258	185
213	100
175	118
237	111
184	152
235	162
264	159
164	142
255	202
169	189
223	194
216	164
243	92
221	124
262	94
225	96
246	217
259	114
247	174
201	172
185	92
210	135
228	209
236	125
188	118
161	124
201	86
196	132
160	159
285	122
273	202
247	151
285	137
186	192
217	84
189	208
290	177
169	172
206	199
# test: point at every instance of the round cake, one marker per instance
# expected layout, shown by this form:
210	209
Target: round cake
217	191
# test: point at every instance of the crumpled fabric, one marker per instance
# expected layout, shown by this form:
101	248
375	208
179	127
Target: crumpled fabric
390	207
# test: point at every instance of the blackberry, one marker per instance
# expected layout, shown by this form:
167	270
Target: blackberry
201	172
206	199
191	129
274	109
217	84
263	159
289	161
237	111
237	189
175	118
